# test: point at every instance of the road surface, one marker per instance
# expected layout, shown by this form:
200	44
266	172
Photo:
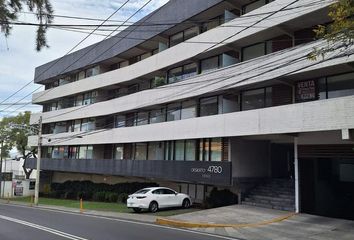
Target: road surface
24	223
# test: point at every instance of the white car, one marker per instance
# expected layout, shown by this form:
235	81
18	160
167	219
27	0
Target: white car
156	198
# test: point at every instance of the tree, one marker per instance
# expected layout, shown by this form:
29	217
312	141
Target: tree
9	10
17	137
339	30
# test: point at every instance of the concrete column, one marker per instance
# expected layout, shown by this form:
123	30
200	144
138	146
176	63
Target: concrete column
297	183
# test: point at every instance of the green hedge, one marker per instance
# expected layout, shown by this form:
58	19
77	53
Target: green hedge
101	192
220	198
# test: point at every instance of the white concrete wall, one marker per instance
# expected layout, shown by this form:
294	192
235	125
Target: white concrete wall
185	51
323	115
289	62
250	158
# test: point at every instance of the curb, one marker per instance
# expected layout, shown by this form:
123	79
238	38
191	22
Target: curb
176	223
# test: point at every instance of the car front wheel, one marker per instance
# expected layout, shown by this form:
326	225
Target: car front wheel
186	203
153	207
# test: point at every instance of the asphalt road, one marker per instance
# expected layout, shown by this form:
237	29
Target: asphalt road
26	223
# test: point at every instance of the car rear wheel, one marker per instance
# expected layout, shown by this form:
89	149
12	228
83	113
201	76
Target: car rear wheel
186	203
153	207
137	210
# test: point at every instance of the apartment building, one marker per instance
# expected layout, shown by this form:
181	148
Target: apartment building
208	93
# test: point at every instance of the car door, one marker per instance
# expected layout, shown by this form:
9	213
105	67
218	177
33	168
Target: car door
157	195
170	197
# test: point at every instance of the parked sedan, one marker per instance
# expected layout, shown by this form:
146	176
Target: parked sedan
156	198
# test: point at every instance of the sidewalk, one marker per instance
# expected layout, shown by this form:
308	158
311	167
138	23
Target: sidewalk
299	226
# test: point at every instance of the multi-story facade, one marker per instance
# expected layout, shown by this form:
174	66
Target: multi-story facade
208	93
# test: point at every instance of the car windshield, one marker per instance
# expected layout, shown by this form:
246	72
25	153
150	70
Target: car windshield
142	191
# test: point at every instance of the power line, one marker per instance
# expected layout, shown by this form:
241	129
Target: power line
55	62
243	16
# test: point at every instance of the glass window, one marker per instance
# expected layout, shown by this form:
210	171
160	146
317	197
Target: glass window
189	109
82	152
176	39
89	152
88	124
142	118
73	152
144	85
252	6
173	112
175	75
120	121
119	152
191	149
268	97
140	151
81	75
157	116
253	51
322	88
77	125
253	99
130	120
169	150
79	99
208	106
209	64
211	24
156	151
179	150
189	70
168	191
215	149
145	55
133	88
190	32
53	106
158	81
230	103
341	85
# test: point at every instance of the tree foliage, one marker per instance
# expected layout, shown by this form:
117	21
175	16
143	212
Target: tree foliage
9	10
14	137
339	30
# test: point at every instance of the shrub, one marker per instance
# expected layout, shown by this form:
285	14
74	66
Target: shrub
99	196
123	197
112	197
220	198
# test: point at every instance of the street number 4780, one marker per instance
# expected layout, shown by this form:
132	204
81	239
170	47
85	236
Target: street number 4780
215	169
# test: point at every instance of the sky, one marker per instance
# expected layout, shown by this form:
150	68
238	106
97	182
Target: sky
18	57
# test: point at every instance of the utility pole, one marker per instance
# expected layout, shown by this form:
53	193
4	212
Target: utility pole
1	177
36	190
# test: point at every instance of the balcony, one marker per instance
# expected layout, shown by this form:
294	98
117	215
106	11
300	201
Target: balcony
216	173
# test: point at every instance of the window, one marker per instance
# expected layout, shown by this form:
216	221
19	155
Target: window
77	125
176	39
88	124
158	81
119	152
215	149
173	112
253	99
133	88
180	73
169	150
190	32
156	151
175	75
210	149
130	120
230	103
157	116
208	106
85	152
190	150
73	152
189	109
179	150
168	191
142	118
253	51
341	85
120	121
210	64
212	23
140	151
79	100
254	5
